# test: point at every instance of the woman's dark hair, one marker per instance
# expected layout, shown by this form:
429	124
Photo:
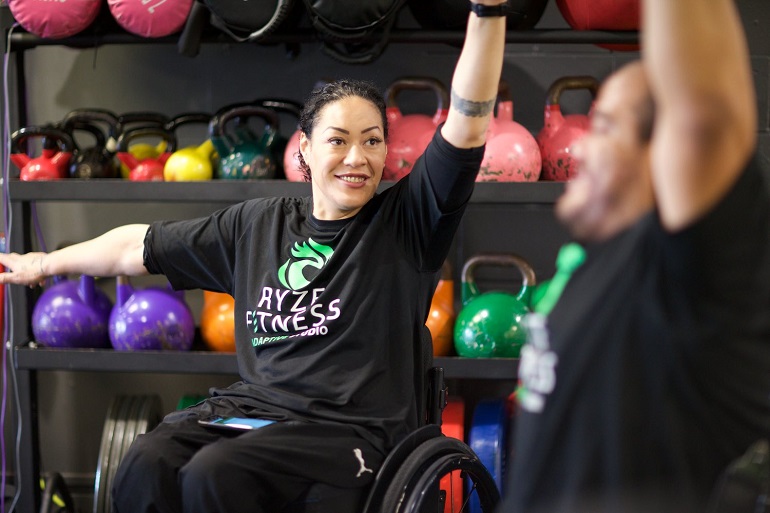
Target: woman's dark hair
332	92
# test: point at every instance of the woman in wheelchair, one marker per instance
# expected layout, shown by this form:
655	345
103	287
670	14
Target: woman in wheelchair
331	294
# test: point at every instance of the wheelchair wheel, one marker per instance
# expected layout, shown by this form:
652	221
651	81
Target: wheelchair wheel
416	484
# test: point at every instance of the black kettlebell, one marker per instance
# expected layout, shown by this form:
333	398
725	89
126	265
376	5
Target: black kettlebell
93	161
107	122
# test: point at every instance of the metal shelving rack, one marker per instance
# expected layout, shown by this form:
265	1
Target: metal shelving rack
29	359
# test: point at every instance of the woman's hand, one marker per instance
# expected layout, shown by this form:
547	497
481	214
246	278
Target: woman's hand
26	269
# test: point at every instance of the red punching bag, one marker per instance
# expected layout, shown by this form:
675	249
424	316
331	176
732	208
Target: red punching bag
602	15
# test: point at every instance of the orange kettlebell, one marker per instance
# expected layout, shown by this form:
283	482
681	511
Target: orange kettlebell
218	321
441	317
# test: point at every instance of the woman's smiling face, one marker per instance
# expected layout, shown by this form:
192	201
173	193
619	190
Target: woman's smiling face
346	156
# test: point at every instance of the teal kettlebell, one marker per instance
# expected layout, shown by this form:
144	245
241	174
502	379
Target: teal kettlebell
489	324
293	109
243	158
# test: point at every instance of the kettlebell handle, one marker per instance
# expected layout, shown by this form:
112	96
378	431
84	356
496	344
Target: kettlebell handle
84	126
569	83
187	118
141	118
418	84
280	105
105	116
53	137
469	288
242	110
148	131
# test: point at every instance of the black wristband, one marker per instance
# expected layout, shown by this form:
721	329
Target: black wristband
485	11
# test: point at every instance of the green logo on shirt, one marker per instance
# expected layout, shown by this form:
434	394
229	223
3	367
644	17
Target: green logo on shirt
310	253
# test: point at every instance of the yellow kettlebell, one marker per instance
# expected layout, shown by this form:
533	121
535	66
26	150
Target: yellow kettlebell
192	163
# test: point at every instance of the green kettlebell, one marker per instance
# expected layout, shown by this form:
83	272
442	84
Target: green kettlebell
243	159
489	324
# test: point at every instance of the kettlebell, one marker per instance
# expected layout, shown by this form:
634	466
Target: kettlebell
489	324
107	121
152	319
149	169
192	163
290	158
72	314
218	321
560	132
90	161
284	148
410	134
54	159
142	150
244	159
602	15
441	317
511	154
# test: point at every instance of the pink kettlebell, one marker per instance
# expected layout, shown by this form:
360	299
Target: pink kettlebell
410	134
512	154
560	131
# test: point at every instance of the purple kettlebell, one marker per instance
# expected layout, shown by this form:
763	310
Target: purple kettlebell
151	319
72	314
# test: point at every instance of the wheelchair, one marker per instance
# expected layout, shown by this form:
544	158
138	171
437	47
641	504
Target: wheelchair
408	480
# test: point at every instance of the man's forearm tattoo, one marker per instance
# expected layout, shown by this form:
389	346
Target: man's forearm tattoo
471	108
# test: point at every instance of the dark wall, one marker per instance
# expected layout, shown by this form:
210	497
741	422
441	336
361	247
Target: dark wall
157	77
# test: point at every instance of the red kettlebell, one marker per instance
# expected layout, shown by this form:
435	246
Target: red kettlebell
410	134
602	15
139	119
512	154
148	169
291	166
560	131
55	156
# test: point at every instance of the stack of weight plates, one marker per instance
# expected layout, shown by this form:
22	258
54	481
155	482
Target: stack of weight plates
488	438
127	417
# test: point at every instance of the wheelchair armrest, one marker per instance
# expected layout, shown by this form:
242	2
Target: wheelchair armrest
437	395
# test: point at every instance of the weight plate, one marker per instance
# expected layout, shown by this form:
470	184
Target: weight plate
127	417
100	483
150	416
117	446
487	438
131	424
